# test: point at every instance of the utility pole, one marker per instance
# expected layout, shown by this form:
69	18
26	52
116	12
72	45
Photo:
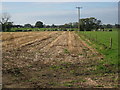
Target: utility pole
78	17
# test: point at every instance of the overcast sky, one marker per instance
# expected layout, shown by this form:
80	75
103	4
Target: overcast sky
60	12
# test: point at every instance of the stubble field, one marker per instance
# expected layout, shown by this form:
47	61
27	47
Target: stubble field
59	59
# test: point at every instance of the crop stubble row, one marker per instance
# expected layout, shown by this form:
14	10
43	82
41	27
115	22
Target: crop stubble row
46	48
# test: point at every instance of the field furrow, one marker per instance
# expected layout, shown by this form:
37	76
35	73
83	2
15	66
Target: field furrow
51	59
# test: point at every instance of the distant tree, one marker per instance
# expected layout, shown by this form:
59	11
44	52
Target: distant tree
17	26
9	26
28	26
98	24
108	26
75	24
53	26
39	24
4	18
89	24
66	25
47	26
117	25
104	25
61	26
70	25
44	25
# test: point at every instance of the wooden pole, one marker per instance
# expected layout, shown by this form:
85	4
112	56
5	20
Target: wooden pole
110	42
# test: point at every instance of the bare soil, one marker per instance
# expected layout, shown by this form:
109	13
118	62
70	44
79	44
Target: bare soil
51	60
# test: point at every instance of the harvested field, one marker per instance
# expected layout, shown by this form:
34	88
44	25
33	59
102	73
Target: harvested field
51	60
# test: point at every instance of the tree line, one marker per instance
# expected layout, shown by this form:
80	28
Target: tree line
86	24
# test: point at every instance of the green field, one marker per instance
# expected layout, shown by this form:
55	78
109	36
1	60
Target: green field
42	29
100	40
33	29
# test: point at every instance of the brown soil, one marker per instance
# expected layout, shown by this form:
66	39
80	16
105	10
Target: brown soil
51	60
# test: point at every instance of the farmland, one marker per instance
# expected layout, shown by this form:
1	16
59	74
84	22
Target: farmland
105	43
42	29
102	42
59	59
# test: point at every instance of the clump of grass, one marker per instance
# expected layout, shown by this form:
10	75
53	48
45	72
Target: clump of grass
80	54
103	47
66	64
52	83
68	84
15	71
72	71
66	51
82	80
103	69
74	81
30	66
99	86
79	80
56	67
32	79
